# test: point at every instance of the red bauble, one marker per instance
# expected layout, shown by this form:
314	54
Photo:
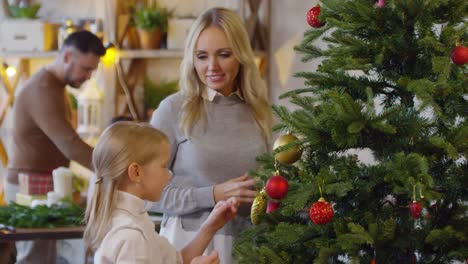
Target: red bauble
459	55
415	209
380	3
321	212
272	206
372	261
312	17
277	187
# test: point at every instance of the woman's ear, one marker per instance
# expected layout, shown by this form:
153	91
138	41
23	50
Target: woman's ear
134	172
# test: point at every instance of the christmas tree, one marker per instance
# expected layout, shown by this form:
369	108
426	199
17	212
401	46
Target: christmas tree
392	83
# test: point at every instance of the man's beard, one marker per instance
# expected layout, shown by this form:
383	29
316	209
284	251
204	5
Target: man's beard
70	82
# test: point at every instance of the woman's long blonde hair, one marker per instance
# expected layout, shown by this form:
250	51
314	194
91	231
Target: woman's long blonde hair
248	80
119	145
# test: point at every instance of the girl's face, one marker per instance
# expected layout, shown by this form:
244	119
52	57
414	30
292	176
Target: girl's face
214	61
156	176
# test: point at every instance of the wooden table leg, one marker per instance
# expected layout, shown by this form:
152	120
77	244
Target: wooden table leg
7	252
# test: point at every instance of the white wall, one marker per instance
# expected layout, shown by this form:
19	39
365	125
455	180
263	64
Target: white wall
287	26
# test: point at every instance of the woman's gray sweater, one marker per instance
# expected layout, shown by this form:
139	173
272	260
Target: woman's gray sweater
222	149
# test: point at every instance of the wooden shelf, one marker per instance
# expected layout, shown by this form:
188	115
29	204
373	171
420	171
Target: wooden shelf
123	54
28	54
149	54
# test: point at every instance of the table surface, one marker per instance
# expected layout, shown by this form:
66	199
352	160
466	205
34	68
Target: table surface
42	233
57	233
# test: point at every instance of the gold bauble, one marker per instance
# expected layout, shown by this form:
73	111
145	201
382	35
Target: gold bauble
258	207
290	155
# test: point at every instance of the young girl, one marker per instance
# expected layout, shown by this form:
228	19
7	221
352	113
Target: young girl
130	165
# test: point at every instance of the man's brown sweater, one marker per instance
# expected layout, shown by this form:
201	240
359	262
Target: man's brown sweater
43	138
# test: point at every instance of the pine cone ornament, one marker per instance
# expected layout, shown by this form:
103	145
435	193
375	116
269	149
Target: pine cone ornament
258	207
321	212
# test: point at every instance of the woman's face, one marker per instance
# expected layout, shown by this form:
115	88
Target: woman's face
214	61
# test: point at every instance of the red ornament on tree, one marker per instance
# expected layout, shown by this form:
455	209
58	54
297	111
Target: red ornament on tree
321	212
415	209
459	55
277	187
380	3
272	206
312	17
372	261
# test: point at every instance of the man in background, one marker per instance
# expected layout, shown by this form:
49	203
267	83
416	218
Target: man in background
43	137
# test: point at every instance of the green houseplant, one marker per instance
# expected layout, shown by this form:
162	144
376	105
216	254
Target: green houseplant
29	11
154	93
151	22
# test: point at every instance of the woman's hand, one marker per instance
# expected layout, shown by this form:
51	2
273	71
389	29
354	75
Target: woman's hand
240	187
220	215
212	258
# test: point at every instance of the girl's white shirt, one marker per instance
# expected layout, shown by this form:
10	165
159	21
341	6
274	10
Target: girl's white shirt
132	237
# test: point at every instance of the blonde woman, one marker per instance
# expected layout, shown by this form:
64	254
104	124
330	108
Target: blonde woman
217	124
130	165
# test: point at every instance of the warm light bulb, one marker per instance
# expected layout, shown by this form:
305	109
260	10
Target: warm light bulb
258	61
109	58
10	71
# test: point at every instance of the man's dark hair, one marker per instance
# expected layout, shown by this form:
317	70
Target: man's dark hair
85	42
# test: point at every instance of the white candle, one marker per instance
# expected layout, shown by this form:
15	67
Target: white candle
63	181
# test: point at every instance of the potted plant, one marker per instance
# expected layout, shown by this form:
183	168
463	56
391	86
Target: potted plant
154	93
24	11
151	22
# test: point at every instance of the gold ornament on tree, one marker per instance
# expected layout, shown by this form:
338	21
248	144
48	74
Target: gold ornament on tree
258	207
290	155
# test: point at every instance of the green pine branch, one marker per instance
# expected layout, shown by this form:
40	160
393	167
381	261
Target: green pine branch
386	85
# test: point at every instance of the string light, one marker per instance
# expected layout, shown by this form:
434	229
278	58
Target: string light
111	55
10	70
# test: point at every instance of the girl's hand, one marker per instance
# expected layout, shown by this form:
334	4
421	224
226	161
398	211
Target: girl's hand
221	214
240	187
212	258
